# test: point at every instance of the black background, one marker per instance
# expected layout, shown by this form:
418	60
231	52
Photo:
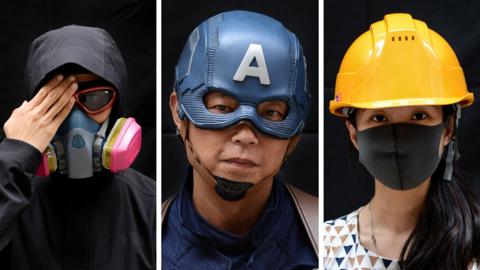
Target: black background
131	23
179	18
347	184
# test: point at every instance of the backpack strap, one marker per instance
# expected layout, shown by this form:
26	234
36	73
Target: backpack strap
165	207
307	207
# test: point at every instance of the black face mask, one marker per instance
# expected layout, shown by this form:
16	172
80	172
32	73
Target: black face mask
401	156
231	190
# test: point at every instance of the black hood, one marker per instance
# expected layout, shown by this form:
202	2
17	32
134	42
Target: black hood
91	48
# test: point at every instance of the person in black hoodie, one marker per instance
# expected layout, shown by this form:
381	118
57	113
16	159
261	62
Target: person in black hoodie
77	206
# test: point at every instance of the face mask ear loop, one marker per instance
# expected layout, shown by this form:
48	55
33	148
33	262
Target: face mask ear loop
452	153
98	144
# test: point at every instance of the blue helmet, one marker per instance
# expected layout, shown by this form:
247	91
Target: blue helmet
250	57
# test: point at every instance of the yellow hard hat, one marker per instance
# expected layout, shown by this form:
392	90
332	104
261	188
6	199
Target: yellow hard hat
399	62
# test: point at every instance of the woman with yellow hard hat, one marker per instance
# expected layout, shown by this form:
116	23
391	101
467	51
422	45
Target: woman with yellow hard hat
401	89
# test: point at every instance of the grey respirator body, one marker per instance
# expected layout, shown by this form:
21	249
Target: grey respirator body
82	147
75	138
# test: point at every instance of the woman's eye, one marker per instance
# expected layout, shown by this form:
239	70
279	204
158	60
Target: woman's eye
419	116
379	118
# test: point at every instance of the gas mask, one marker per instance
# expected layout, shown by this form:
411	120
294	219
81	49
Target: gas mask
401	156
81	147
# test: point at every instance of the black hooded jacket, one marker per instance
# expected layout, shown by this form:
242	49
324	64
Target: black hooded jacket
104	222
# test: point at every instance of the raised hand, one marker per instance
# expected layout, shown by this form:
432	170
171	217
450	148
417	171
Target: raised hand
36	121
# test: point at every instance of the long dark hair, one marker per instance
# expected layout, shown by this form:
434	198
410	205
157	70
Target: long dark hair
447	233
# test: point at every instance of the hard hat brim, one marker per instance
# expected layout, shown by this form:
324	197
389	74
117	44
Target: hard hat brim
336	107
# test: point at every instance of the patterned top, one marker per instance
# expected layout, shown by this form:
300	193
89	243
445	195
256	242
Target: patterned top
343	249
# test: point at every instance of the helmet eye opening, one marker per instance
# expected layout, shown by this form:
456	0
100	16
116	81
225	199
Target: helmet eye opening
273	110
219	102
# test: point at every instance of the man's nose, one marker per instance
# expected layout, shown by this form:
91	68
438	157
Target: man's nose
245	134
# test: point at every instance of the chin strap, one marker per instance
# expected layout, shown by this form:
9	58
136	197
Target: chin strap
452	153
228	190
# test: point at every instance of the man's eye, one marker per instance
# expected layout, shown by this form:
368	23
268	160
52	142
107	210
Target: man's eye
379	118
220	108
273	115
273	110
219	103
419	116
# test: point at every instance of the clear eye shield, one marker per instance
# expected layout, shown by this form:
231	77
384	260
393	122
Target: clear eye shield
252	58
94	96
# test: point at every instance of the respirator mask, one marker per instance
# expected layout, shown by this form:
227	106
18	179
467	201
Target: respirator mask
81	146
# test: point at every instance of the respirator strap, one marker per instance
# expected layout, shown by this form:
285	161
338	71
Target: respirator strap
98	144
61	156
452	153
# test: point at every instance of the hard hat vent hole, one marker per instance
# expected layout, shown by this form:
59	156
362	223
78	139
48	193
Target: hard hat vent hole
406	38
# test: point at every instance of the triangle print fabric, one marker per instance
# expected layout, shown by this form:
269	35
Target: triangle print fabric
344	251
342	248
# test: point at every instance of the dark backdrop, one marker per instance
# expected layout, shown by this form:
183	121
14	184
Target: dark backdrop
130	22
179	18
347	184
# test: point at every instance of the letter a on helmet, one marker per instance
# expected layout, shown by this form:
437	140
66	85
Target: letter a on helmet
254	52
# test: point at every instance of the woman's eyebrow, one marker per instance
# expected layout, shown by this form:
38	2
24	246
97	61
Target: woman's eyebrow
365	112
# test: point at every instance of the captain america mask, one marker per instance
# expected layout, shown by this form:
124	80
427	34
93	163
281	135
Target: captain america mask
265	65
